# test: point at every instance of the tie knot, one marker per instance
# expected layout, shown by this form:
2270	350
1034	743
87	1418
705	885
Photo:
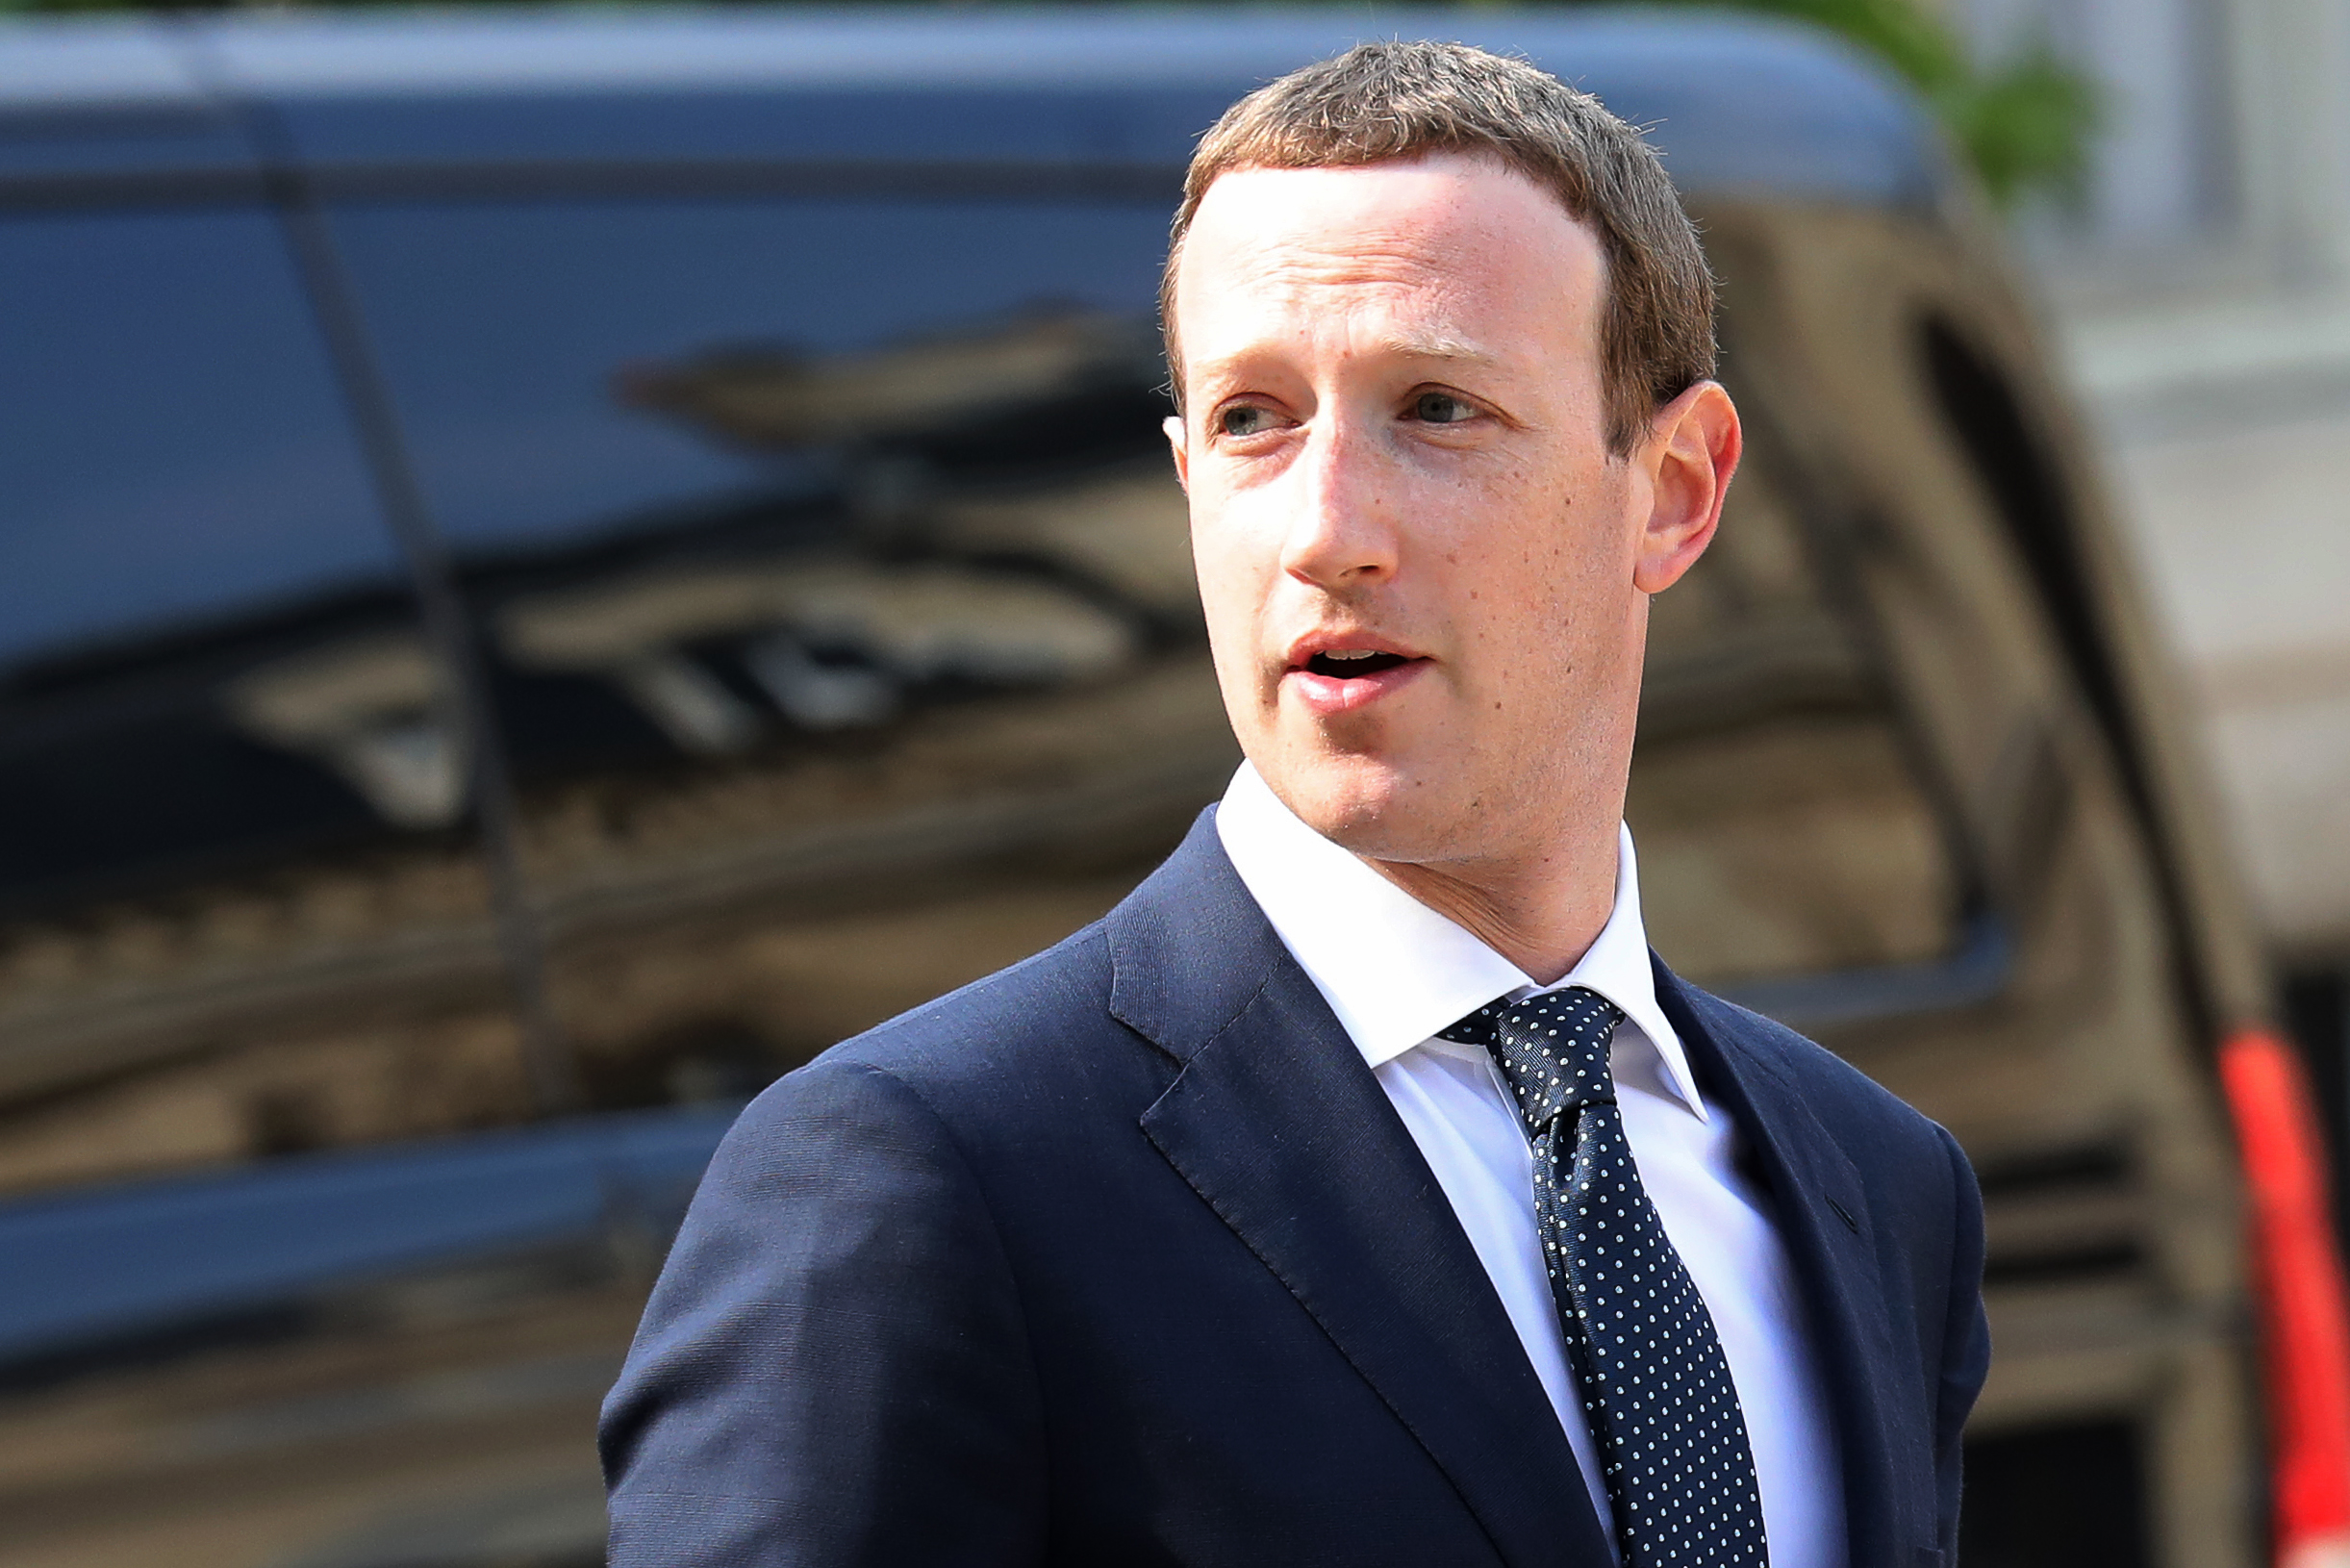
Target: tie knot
1552	1047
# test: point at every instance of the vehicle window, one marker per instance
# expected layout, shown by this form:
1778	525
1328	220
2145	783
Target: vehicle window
171	446
567	368
232	862
837	581
248	978
1782	828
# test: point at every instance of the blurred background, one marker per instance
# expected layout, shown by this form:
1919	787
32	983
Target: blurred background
2197	275
554	564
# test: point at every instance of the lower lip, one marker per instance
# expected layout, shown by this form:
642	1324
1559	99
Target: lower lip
1326	696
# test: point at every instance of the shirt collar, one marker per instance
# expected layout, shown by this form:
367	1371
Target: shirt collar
1395	970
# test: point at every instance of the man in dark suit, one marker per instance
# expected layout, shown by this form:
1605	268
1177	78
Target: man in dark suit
1360	1191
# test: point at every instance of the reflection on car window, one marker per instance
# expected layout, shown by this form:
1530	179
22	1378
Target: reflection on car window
565	366
184	506
837	585
721	472
233	866
172	449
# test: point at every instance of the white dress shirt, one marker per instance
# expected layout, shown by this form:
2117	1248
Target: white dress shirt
1395	971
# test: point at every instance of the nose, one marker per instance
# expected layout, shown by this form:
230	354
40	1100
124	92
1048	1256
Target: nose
1342	536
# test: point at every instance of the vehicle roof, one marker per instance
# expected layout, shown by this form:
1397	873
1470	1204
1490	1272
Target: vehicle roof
1736	102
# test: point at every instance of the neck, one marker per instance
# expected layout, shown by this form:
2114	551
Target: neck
1542	912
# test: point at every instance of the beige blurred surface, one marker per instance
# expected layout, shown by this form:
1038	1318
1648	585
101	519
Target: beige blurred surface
2244	525
2200	279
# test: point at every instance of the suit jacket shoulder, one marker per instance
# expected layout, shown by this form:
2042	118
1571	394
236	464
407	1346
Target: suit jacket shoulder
1869	1120
1122	1256
1031	1015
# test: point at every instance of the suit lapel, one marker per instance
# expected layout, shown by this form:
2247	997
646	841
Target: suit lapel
1279	1125
1821	1207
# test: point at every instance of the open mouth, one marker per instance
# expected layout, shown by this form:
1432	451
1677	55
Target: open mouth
1344	663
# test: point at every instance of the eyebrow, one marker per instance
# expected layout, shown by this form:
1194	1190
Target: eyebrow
1421	345
1436	346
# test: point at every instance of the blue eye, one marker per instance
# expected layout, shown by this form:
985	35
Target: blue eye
1244	419
1441	408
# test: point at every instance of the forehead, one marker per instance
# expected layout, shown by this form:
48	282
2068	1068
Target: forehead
1459	243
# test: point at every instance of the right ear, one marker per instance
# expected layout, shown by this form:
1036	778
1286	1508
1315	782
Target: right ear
1178	438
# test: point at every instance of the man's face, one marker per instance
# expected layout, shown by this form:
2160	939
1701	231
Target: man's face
1417	556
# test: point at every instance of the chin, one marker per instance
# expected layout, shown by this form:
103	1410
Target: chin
1364	803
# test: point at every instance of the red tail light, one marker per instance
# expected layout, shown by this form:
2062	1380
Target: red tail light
2304	1307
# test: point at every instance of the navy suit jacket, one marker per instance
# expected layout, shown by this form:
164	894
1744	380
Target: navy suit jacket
1121	1256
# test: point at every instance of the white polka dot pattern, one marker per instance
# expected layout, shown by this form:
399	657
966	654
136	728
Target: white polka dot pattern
1653	1381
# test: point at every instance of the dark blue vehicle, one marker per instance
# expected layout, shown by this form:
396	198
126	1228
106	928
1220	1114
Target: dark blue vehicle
554	564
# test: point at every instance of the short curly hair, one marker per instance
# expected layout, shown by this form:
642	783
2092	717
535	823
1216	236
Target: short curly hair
1391	102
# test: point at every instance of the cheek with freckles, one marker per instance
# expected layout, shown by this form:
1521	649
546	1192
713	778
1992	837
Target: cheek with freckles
1235	593
1542	598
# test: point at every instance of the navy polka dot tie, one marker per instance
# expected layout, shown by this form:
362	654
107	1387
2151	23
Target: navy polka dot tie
1655	1386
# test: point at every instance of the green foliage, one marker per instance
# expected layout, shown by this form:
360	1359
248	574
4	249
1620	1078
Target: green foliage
2025	124
2026	127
